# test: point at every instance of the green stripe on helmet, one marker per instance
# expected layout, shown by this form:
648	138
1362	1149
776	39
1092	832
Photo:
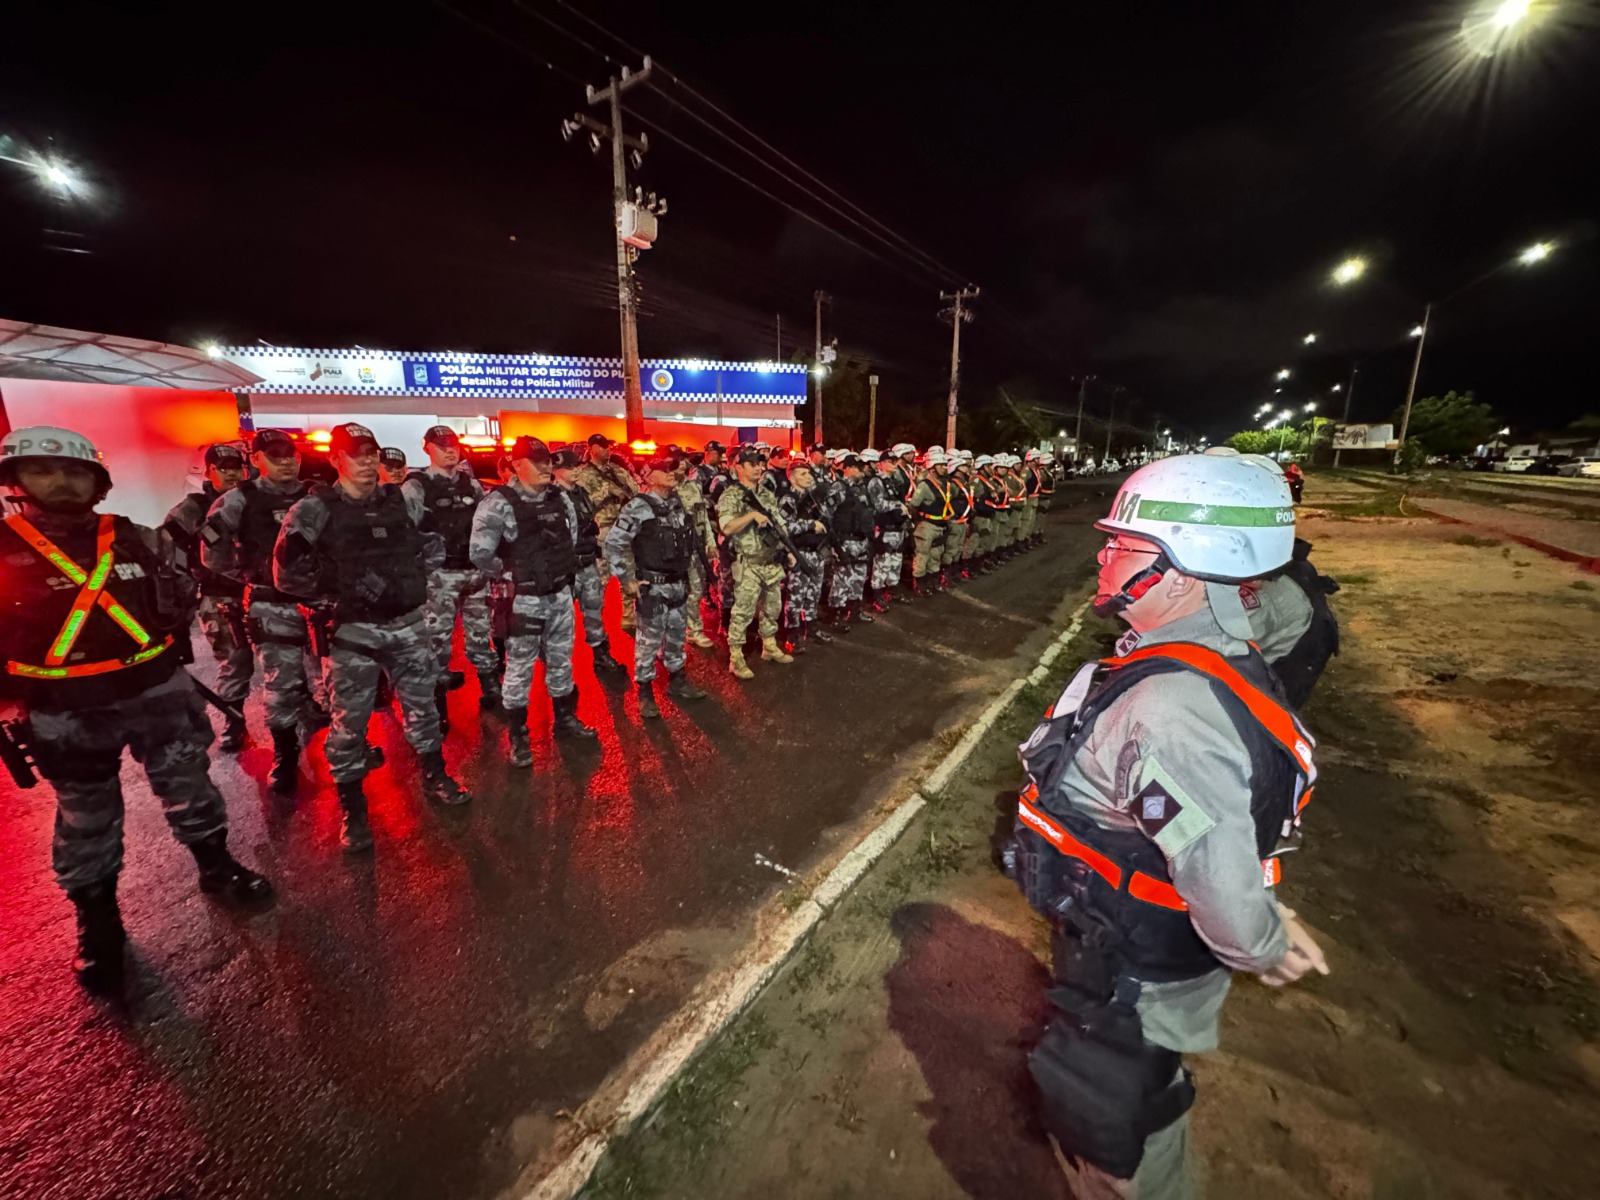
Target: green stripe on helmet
1236	515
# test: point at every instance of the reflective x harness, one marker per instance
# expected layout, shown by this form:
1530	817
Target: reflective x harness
91	595
1279	723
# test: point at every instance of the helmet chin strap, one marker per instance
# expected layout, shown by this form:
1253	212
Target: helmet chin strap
1135	588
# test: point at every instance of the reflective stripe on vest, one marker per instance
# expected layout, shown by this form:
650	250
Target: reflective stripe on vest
1278	721
91	595
1140	885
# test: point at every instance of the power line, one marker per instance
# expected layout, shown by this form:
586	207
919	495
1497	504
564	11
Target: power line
511	42
539	16
593	24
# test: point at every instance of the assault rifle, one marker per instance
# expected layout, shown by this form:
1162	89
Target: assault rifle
16	751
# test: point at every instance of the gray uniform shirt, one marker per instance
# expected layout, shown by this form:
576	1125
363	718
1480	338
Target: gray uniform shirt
221	554
416	498
1173	730
619	542
495	522
1280	614
294	558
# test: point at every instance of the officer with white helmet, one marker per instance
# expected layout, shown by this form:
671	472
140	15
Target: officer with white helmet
1163	786
931	506
94	631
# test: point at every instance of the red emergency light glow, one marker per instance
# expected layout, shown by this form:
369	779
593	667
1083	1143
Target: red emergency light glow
642	447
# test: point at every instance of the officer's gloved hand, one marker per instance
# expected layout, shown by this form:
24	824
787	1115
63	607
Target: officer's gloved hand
1302	956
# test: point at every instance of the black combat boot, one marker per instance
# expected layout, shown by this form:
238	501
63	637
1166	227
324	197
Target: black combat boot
316	717
355	835
679	687
375	756
285	760
436	782
488	691
518	752
100	936
796	639
223	876
860	614
820	634
455	680
944	582
647	700
877	603
904	596
383	694
441	705
566	722
606	665
233	734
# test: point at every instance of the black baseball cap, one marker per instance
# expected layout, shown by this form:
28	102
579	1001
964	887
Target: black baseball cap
817	448
351	437
666	461
441	435
530	448
851	460
600	439
392	456
225	455
749	454
717	446
274	443
565	459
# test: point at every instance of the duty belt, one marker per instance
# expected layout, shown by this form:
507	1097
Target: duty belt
660	578
526	588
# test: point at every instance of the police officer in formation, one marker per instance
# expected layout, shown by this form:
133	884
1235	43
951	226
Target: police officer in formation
236	543
930	504
351	552
392	465
442	499
651	550
610	486
693	498
852	523
94	632
896	483
752	528
590	582
807	526
526	533
1163	786
221	598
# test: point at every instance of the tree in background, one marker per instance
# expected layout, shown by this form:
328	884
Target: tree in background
1454	423
1268	441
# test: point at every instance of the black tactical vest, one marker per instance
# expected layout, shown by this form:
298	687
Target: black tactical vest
664	545
448	502
36	599
808	508
1154	942
894	488
852	517
543	559
369	556
1303	665
588	547
258	534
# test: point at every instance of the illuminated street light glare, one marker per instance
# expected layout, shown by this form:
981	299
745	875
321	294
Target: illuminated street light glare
1535	253
1350	270
1312	407
1284	373
1338	387
1309	339
1510	13
1416	331
1285	415
212	350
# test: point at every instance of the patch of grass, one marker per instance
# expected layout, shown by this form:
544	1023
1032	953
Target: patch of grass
812	963
1384	504
791	898
1469	539
1579	585
1355	578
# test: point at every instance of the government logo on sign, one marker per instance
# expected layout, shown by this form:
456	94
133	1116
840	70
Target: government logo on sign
661	380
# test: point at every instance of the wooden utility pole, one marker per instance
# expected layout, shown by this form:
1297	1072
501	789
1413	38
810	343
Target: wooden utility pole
819	368
872	410
1411	388
1077	437
957	312
627	300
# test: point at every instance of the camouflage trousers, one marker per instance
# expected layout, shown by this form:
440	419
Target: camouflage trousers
541	627
361	652
805	587
590	588
663	625
464	591
80	755
849	583
888	558
927	541
629	616
235	662
290	677
697	589
757	588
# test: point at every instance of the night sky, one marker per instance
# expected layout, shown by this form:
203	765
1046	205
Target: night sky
1153	193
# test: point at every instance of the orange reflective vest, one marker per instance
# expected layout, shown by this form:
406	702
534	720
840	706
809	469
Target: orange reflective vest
1279	723
91	598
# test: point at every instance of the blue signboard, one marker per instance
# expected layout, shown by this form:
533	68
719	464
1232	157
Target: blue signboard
507	375
740	383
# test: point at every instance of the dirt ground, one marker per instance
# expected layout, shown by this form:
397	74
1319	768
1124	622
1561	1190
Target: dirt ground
1450	869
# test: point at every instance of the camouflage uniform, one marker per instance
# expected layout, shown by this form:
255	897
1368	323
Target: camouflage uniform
852	554
290	678
231	651
541	627
888	501
609	487
801	512
367	641
694	503
456	587
663	624
758	567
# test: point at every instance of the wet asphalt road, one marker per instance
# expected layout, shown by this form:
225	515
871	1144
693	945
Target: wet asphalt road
410	1024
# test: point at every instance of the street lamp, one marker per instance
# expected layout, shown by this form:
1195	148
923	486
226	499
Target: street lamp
1312	407
1350	270
1536	253
1337	388
1418	330
1283	374
1309	339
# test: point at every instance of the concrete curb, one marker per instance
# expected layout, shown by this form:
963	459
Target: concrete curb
740	986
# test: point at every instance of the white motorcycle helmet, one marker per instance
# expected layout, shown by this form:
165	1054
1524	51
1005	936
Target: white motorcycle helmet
1220	519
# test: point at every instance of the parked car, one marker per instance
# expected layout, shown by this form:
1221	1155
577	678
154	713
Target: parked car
1587	467
1545	464
1517	465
